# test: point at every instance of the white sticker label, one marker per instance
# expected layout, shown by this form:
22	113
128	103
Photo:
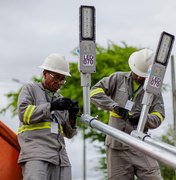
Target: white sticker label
155	82
129	105
54	127
88	60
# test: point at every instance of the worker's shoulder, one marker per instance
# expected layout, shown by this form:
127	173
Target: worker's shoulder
120	73
32	85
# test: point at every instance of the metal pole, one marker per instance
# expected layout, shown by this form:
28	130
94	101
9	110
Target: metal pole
148	97
84	155
173	91
86	82
146	138
173	96
153	151
163	145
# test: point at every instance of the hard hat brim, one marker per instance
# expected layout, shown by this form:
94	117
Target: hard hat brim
55	70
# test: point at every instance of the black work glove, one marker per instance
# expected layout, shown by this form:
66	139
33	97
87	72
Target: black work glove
73	111
61	104
134	119
121	112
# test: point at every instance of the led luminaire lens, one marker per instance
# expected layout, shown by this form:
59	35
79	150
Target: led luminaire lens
164	49
87	22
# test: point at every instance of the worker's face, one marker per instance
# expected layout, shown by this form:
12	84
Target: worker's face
53	81
138	79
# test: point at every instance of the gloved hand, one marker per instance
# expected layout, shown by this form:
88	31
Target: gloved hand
61	104
134	119
121	112
73	111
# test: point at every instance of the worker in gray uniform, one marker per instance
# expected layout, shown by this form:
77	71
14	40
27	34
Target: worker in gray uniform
46	117
117	92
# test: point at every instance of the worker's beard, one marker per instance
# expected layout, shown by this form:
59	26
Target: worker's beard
52	86
139	81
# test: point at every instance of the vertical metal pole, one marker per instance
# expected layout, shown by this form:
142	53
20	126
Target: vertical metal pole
173	93
143	118
147	99
84	155
85	82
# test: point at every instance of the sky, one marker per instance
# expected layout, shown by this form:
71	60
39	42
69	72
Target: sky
31	30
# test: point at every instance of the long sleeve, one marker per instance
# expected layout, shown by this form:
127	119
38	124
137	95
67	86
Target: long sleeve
156	113
29	110
101	92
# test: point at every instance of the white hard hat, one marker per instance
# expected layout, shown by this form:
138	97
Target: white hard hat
140	61
56	63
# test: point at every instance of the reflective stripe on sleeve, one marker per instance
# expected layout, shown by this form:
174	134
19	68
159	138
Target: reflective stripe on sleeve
28	113
61	128
158	115
96	91
36	126
113	114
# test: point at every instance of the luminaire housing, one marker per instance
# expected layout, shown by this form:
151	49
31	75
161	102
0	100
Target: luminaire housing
87	23
156	74
87	63
164	48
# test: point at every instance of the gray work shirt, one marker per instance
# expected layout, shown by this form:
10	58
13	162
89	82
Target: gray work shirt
41	144
116	90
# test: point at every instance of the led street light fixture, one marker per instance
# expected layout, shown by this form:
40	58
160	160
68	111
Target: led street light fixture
164	48
87	21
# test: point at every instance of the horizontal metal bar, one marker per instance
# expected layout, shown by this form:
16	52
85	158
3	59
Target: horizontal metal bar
151	150
163	145
149	140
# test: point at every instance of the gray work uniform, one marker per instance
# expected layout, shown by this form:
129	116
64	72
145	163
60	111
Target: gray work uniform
40	134
124	162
